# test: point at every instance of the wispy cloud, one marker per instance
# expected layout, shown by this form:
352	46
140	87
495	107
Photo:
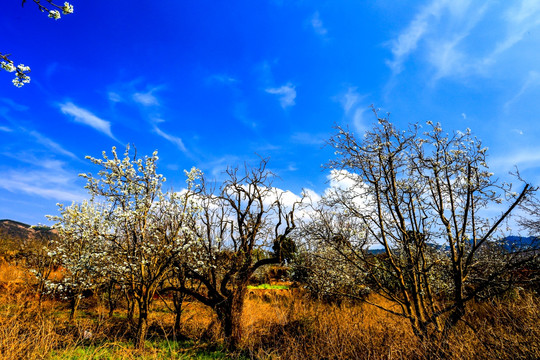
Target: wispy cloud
5	129
317	24
15	106
217	167
354	107
146	99
518	131
532	81
350	99
51	145
114	97
84	116
47	178
221	79
173	139
408	39
520	19
287	94
444	34
523	159
46	184
308	138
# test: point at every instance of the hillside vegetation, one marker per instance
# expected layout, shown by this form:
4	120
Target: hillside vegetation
279	321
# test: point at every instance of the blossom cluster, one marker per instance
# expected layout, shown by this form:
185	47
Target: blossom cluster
21	71
66	9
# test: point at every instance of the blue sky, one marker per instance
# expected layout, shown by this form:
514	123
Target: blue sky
215	83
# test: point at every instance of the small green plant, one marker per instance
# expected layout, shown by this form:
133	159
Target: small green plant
268	287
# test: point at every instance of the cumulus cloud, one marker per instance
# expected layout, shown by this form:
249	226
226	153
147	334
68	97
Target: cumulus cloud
287	94
85	117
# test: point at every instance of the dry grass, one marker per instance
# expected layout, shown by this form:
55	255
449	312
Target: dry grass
309	330
501	329
278	324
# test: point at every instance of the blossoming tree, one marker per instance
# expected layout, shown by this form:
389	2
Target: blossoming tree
81	249
146	229
420	197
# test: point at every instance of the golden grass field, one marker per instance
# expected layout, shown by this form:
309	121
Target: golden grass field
277	324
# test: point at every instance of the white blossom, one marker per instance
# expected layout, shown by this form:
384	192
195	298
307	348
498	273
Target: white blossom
67	8
8	66
54	14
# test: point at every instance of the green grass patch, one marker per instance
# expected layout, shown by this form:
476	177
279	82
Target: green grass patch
268	287
155	349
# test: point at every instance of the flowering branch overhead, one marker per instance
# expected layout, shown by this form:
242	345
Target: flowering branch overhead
21	70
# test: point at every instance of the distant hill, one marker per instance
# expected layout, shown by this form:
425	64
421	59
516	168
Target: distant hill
17	238
509	243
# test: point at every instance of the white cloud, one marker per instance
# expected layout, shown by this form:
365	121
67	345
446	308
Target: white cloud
464	116
520	20
114	97
532	81
317	24
173	139
287	94
86	117
308	139
518	131
15	106
354	108
407	41
359	121
222	79
5	129
40	183
311	195
350	99
286	197
146	99
523	159
47	179
449	36
437	32
52	145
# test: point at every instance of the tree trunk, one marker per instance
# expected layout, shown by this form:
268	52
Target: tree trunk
130	304
73	305
178	300
142	324
230	317
111	301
